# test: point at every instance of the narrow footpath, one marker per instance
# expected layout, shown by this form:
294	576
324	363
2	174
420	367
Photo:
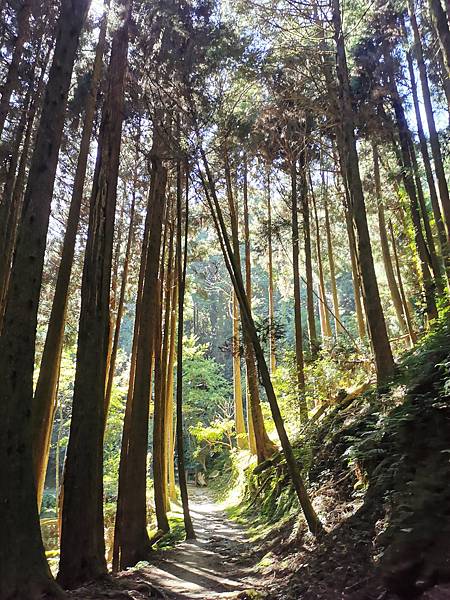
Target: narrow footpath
216	565
212	566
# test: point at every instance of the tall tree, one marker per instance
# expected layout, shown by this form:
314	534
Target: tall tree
44	401
384	361
25	573
82	541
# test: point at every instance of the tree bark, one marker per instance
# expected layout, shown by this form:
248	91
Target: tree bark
160	407
181	270
434	139
82	540
169	432
387	262
440	23
300	364
44	401
131	520
332	266
12	76
442	234
239	420
311	517
270	274
24	569
384	361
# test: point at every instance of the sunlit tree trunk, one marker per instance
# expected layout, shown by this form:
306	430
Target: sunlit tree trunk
181	270
160	407
133	543
311	517
384	361
169	431
300	365
82	540
25	572
325	318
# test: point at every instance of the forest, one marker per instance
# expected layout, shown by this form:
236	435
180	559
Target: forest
225	299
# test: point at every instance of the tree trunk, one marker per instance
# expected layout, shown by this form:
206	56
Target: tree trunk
239	420
312	330
332	266
325	318
160	407
387	262
25	572
265	448
442	234
120	307
412	334
82	540
297	299
434	139
131	381
44	401
169	432
313	521
181	270
270	274
441	27
131	520
12	76
384	361
405	163
13	203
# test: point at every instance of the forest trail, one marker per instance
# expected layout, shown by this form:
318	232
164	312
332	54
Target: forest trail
213	565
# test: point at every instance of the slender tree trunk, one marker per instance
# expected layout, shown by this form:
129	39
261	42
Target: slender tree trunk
12	77
169	432
439	20
405	162
325	319
264	446
311	517
131	520
384	361
332	267
82	540
24	570
131	381
44	401
239	420
443	241
313	341
270	273
120	307
13	203
387	262
160	408
181	270
412	334
297	299
434	139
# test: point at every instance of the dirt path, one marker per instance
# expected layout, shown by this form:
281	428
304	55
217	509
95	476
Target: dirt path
213	566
